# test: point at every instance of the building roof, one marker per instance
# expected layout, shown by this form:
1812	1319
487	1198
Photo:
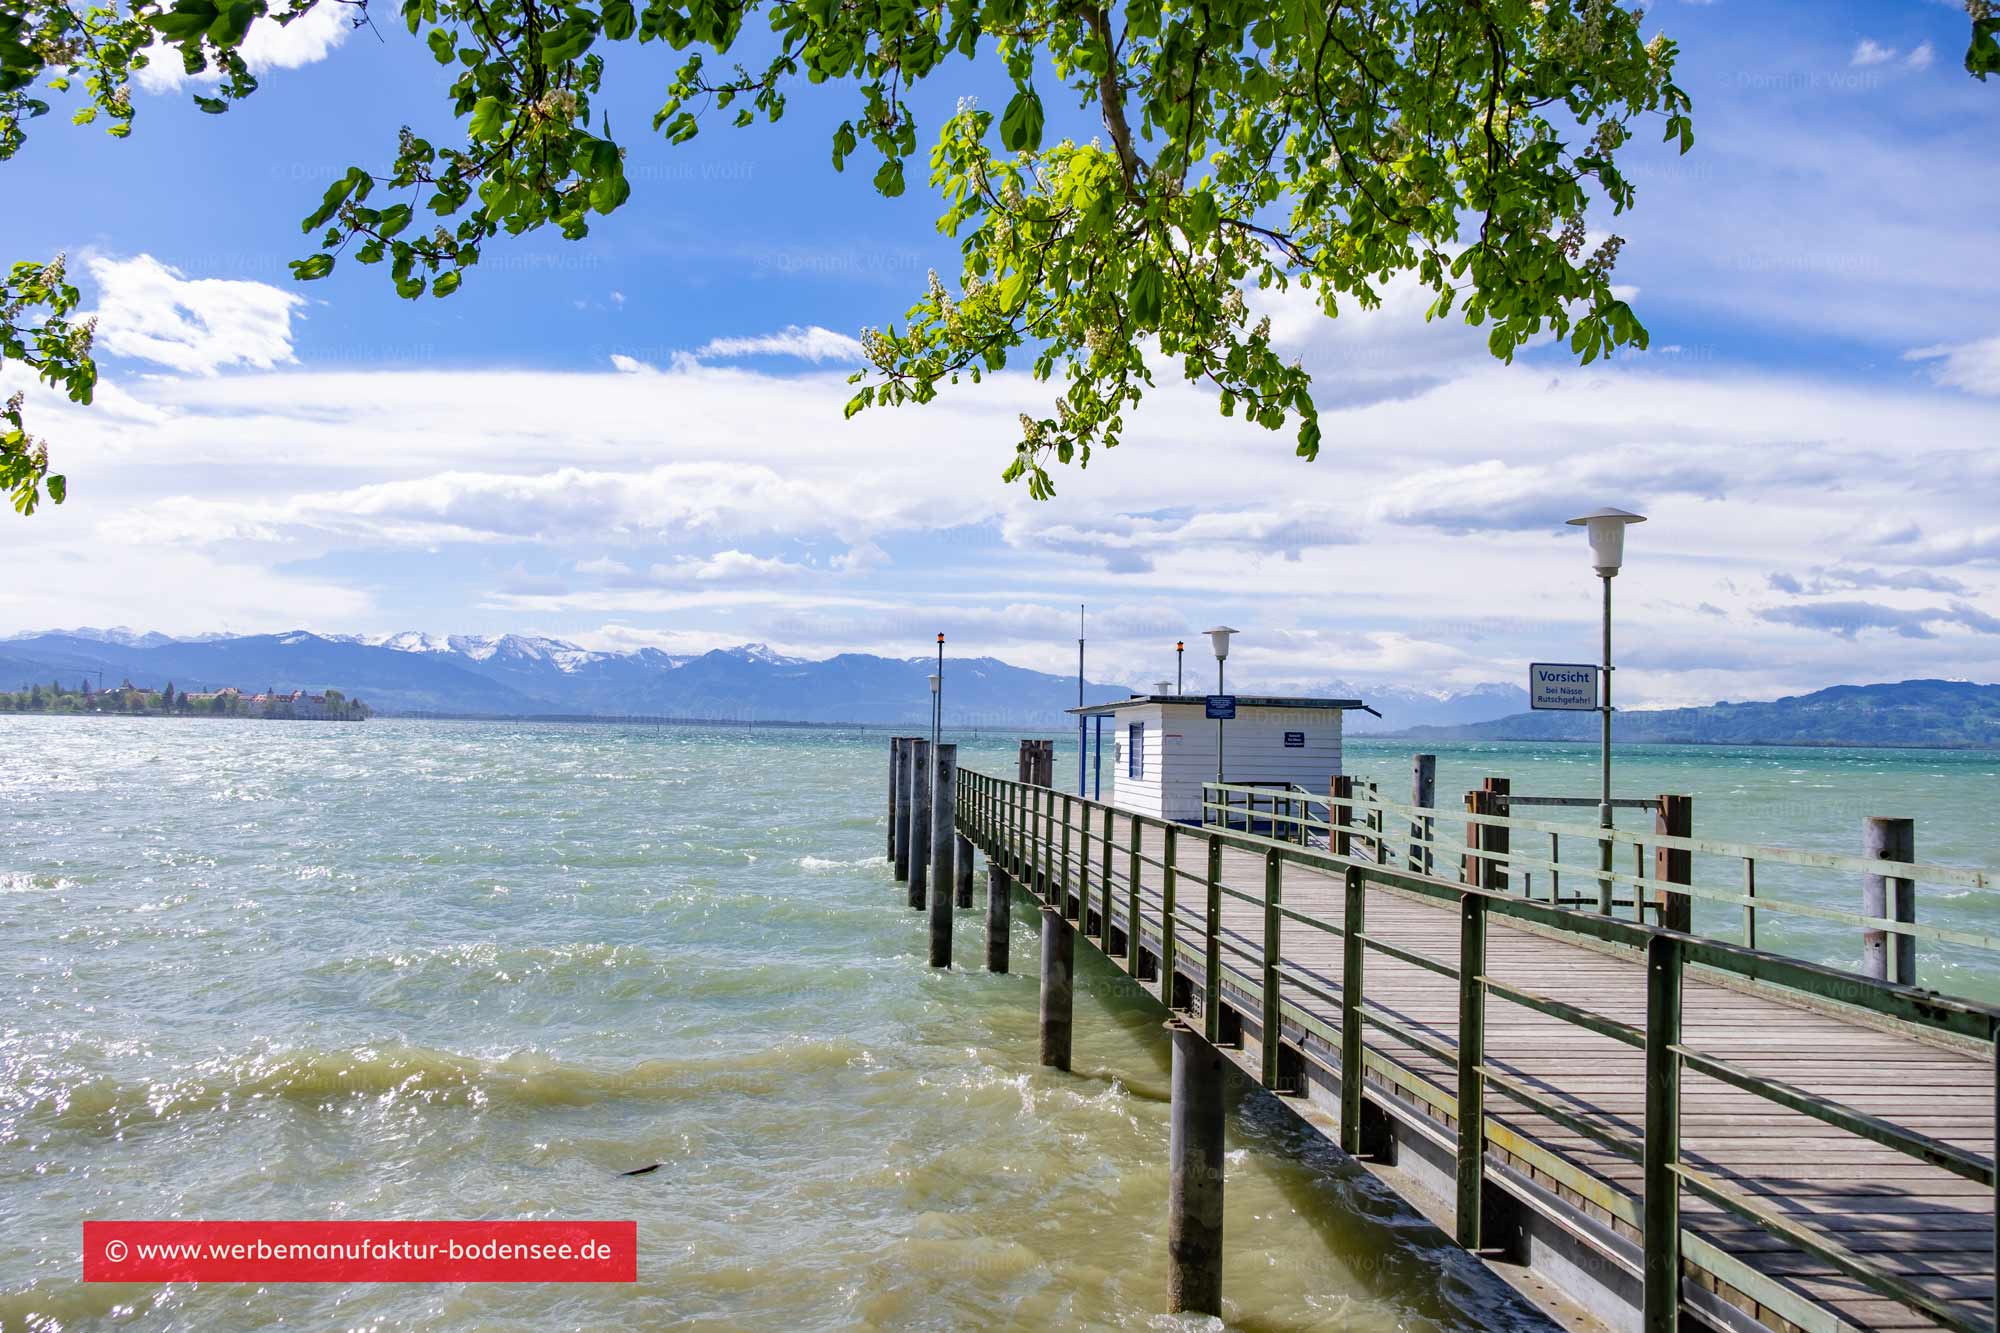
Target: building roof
1243	701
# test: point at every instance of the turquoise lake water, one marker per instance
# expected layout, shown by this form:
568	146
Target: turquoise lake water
451	970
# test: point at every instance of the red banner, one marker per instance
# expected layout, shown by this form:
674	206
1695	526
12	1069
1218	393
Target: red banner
360	1251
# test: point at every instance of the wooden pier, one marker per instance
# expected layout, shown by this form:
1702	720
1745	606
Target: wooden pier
1676	1131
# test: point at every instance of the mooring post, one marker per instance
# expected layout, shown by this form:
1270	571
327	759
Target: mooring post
1497	840
962	871
1353	1058
999	890
944	805
920	819
1674	817
1660	1231
1471	1075
1889	897
895	753
905	776
1423	795
1194	1186
1058	984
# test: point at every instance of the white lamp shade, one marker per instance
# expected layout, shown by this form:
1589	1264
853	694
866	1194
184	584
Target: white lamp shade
1163	687
1606	528
935	682
1219	636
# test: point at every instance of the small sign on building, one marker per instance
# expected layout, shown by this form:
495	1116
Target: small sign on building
1566	686
1295	740
1222	707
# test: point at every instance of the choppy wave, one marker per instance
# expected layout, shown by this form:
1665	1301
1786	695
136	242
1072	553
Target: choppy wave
415	1074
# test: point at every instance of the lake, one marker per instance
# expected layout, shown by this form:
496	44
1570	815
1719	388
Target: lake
469	970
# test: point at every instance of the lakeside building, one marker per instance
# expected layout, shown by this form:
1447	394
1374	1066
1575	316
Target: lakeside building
1164	747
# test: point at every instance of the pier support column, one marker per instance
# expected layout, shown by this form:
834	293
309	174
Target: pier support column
900	833
1058	985
962	871
920	820
944	802
1194	1187
999	896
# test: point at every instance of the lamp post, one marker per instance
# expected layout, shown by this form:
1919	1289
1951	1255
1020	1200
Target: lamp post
1219	636
1180	647
1607	552
937	697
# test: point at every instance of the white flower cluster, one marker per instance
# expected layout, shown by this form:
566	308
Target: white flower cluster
1604	258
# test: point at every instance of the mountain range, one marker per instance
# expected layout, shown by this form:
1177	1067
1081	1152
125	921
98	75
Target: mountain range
523	675
516	675
1952	714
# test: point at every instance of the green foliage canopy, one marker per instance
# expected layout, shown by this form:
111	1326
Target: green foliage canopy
1331	144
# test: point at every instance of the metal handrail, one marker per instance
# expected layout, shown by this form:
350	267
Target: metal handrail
1015	821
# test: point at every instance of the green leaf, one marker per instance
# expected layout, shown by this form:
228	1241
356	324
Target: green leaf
1021	123
889	178
609	192
489	120
317	266
620	21
1983	56
439	41
445	283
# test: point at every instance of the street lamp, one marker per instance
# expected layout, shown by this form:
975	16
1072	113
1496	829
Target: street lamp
937	697
1606	528
1180	647
1219	637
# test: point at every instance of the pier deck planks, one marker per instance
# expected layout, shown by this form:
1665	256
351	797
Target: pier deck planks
1923	1222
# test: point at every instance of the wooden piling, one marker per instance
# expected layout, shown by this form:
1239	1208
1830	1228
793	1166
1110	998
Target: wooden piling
1194	1186
944	803
999	895
895	783
1341	816
1058	984
1889	897
1674	817
1423	794
961	874
905	777
920	820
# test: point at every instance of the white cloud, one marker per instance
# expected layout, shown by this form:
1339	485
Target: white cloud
809	343
728	567
1973	366
603	565
155	313
631	365
268	45
1871	52
1921	57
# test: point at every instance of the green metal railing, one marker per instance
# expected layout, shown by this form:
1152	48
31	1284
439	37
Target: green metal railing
1017	827
1391	834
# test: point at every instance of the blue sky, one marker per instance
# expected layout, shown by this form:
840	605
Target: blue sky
637	439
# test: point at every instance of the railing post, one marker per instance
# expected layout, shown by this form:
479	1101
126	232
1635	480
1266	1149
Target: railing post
920	821
1104	883
1353	951
1749	911
1132	948
1167	889
1662	1203
943	872
1062	866
1082	873
1471	1076
1888	955
1423	795
1340	815
1674	817
1211	945
1274	878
